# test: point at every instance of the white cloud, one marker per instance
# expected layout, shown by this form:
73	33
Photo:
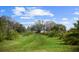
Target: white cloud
76	13
18	11
40	12
26	17
76	18
30	12
64	19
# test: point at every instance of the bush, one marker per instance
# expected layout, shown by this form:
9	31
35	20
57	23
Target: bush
11	35
53	34
71	38
2	36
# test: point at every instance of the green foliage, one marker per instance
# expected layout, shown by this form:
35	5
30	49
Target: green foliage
11	35
48	28
57	31
77	25
52	33
71	38
3	28
9	28
19	28
42	26
2	36
38	26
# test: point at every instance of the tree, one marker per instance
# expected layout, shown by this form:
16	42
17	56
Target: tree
72	36
38	26
3	27
9	28
49	25
19	28
76	25
57	30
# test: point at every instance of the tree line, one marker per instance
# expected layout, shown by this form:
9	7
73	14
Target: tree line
10	30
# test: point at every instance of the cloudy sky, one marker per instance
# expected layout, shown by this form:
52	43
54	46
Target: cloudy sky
27	15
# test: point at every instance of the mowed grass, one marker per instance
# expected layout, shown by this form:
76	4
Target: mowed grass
35	43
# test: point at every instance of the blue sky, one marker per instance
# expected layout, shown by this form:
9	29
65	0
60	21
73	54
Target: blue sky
27	15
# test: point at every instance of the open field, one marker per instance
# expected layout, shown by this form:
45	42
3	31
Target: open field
35	42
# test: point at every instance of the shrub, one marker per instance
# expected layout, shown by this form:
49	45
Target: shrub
54	33
11	35
2	36
71	38
51	34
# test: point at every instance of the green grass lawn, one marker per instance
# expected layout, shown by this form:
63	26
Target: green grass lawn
35	42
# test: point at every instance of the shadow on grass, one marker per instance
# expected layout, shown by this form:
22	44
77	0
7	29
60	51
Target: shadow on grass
76	49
